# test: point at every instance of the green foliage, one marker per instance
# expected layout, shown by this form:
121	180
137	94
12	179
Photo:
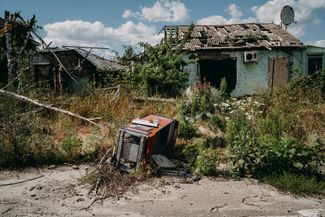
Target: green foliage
128	56
186	129
161	73
274	124
224	87
21	43
216	122
72	147
201	157
23	138
242	141
310	87
200	101
160	70
206	162
304	185
19	31
265	149
215	142
30	136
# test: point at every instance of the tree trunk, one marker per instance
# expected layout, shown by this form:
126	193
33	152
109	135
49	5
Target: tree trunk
12	62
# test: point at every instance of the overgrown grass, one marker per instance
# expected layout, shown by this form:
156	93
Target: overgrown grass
285	136
30	135
298	184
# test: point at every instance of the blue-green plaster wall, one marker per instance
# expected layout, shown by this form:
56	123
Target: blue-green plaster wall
252	76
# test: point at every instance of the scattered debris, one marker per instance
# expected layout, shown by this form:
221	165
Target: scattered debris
112	182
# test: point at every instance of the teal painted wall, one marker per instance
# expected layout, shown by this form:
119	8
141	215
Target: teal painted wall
252	76
313	50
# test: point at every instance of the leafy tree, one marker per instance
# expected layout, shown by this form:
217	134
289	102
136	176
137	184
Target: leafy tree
161	70
15	41
128	57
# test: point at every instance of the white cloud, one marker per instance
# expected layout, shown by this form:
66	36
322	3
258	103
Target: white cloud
270	11
320	43
161	11
128	14
234	11
235	17
83	33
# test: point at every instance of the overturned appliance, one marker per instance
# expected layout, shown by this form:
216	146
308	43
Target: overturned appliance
143	139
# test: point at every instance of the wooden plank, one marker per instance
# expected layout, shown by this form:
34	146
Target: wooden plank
281	72
278	72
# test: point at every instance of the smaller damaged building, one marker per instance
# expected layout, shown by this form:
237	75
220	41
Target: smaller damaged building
83	66
250	56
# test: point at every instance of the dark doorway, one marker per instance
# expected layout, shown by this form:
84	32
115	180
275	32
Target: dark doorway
213	71
314	64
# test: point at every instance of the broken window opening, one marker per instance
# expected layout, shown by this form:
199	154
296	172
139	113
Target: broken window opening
315	63
213	71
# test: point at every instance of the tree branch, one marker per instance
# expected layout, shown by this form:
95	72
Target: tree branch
35	102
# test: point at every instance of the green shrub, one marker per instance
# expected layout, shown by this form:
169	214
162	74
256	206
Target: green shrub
311	87
224	87
261	150
216	122
215	142
161	72
206	162
286	154
275	124
186	129
72	148
242	143
201	158
200	102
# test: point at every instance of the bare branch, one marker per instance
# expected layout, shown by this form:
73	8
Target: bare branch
35	102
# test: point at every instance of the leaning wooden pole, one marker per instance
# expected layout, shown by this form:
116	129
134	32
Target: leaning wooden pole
35	102
56	57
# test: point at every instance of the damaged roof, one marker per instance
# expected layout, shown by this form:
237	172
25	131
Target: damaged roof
234	36
100	62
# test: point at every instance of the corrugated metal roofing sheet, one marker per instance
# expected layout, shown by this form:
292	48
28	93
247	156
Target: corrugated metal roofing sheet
100	62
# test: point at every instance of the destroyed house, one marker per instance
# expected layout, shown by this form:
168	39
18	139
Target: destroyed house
83	67
249	56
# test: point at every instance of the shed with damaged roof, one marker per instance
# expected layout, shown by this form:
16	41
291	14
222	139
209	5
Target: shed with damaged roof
250	56
83	66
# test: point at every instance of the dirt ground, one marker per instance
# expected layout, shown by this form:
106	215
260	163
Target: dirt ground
58	193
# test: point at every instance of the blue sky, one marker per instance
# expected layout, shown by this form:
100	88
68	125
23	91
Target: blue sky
115	23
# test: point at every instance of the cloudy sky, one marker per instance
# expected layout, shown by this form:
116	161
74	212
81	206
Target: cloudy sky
114	23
